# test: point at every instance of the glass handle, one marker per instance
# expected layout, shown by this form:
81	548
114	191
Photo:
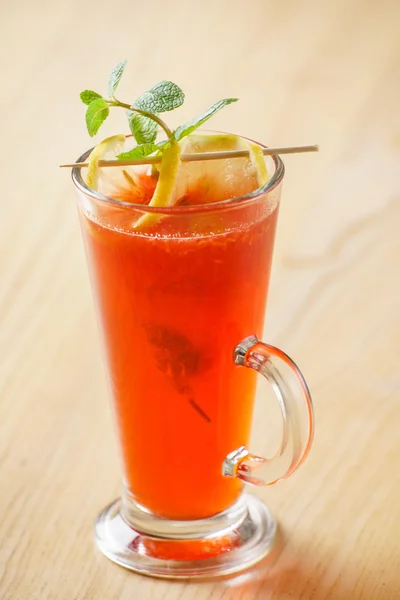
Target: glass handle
295	403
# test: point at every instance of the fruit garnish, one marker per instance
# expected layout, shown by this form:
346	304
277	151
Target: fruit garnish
126	183
258	162
106	149
163	194
145	122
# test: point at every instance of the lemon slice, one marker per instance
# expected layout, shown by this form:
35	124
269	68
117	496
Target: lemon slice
168	174
258	162
163	194
108	148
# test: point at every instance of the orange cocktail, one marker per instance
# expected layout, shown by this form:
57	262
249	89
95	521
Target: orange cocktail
174	299
179	232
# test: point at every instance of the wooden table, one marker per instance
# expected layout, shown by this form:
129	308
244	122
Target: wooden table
325	72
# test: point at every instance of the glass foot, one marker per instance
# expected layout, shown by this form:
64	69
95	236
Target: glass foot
189	552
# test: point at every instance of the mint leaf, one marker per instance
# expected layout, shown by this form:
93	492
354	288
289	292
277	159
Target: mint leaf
184	130
144	130
97	112
87	96
115	77
139	151
143	150
162	97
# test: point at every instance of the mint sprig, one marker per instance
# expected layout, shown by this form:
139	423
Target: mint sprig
188	128
97	112
143	129
115	77
139	151
143	114
87	96
162	97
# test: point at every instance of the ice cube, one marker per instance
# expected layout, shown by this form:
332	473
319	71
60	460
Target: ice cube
202	182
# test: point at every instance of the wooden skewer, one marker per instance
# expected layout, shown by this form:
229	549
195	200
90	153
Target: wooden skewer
152	160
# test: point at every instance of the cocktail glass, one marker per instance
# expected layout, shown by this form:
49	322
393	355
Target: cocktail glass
181	306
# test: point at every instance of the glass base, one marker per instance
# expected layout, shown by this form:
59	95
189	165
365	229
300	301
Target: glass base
175	550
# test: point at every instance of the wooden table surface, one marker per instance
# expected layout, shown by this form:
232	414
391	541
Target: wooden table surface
305	72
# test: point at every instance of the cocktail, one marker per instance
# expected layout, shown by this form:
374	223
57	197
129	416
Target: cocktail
179	254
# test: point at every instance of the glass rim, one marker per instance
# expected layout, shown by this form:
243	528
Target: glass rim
271	184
